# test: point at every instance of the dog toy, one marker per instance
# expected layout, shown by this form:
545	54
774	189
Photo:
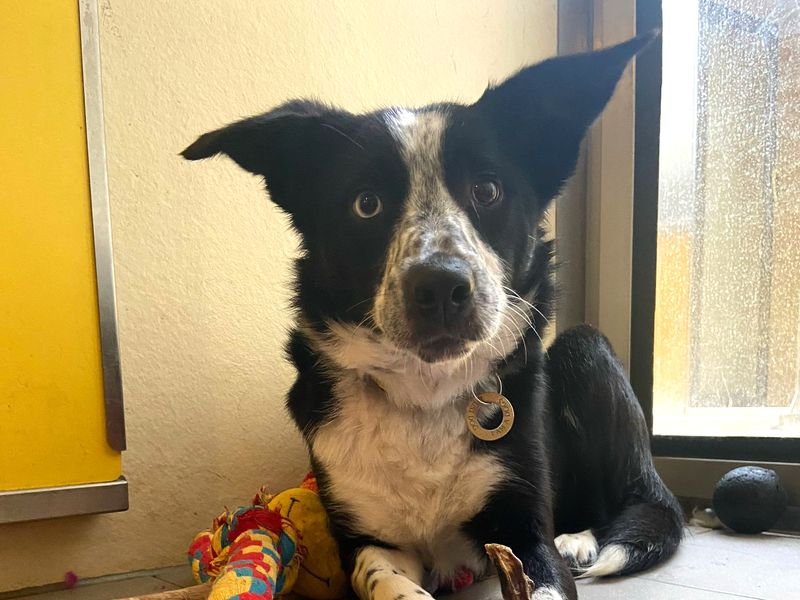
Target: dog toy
279	544
750	499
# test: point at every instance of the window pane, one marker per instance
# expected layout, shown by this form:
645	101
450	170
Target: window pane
728	275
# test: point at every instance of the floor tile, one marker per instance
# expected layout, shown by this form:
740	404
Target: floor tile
483	590
761	566
180	575
109	590
607	589
691	531
635	588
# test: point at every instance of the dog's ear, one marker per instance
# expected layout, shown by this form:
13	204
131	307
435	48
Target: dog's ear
542	113
277	145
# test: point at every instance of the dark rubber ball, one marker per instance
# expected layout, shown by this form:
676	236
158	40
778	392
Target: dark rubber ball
749	499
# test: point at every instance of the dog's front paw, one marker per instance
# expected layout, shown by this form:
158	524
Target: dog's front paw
578	549
383	574
395	587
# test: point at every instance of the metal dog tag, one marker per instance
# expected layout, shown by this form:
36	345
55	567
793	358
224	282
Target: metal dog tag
473	424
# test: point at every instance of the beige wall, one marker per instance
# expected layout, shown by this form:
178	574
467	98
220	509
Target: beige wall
203	260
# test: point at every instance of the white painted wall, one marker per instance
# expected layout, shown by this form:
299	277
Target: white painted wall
203	259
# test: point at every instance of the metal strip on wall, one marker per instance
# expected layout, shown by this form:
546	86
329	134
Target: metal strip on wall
64	501
101	221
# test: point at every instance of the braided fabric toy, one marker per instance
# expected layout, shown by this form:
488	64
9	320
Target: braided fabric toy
278	544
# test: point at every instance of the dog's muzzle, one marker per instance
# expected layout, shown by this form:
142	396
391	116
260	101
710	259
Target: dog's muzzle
439	295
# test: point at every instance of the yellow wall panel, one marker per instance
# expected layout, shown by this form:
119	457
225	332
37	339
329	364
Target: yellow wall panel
52	418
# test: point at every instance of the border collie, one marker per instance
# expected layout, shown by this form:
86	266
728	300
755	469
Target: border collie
424	284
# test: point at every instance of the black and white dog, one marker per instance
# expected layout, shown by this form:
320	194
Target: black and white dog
425	280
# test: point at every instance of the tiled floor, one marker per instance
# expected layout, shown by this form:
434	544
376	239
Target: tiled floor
710	565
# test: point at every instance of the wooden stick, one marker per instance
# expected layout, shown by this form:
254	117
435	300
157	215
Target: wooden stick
197	592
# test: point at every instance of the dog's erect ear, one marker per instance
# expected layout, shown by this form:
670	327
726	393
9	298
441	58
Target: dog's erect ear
542	113
275	144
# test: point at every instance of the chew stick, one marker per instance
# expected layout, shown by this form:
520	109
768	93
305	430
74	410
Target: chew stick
514	584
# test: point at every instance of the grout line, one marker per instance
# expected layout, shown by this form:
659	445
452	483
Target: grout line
702	589
177	585
792	535
693	534
60	587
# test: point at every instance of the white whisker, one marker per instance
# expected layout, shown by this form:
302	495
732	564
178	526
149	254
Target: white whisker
526	302
514	336
521	314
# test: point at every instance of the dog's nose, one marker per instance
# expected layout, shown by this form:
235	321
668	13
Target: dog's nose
440	290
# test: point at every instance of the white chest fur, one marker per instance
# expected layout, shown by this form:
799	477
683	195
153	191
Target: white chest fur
407	475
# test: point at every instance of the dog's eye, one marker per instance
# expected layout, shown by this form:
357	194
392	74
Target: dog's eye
487	192
367	205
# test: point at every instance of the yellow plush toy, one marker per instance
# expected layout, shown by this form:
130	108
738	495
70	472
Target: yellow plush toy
278	545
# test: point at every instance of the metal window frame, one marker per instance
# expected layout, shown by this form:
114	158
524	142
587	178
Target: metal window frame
645	224
608	234
41	503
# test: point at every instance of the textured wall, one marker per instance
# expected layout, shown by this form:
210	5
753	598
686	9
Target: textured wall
203	260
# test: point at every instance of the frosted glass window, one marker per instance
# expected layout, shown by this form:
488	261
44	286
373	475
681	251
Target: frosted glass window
727	334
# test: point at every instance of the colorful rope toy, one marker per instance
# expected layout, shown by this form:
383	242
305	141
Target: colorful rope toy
279	544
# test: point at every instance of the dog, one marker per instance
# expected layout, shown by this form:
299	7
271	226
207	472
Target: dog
424	284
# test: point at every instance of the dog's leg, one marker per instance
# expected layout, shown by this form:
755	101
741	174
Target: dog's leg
549	573
606	480
384	574
521	520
